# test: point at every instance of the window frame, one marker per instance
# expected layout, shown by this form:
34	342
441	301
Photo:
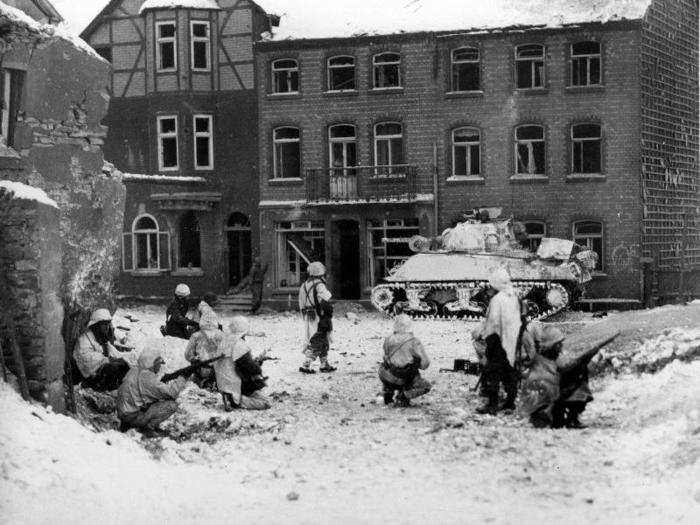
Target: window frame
312	228
391	166
453	88
397	63
600	268
161	136
202	134
375	252
275	142
200	39
588	57
469	144
165	40
517	141
575	141
329	68
532	67
134	232
288	71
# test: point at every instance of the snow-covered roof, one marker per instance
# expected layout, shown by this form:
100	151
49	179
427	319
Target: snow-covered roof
19	17
307	19
185	4
143	177
19	190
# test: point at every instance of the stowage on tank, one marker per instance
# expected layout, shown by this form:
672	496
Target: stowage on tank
448	276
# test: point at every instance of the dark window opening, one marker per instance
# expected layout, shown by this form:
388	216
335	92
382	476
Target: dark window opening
529	60
536	231
530	150
190	256
589	234
285	76
587	148
167	137
585	64
11	87
200	45
287	154
465	70
166	46
341	73
466	152
387	70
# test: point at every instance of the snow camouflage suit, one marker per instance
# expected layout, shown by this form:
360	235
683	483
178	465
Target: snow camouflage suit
311	295
404	355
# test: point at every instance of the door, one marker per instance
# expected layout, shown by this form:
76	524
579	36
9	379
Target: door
239	255
346	260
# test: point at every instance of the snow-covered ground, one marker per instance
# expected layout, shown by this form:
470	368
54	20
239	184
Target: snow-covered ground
328	451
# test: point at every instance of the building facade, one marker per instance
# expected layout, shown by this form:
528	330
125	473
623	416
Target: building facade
581	131
183	127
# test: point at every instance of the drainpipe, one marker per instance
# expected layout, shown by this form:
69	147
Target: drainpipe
435	190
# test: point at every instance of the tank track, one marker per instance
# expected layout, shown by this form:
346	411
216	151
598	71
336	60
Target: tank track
464	300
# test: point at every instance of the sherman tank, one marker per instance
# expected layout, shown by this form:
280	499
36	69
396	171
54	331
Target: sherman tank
449	275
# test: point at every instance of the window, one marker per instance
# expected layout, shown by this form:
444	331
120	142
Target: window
586	148
465	69
189	255
203	142
341	73
589	234
285	76
166	46
536	231
11	82
388	148
145	248
387	70
287	154
200	42
388	245
465	152
105	52
343	158
585	64
529	66
529	150
167	144
298	243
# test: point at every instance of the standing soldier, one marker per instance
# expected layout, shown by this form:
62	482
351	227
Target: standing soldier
311	295
254	280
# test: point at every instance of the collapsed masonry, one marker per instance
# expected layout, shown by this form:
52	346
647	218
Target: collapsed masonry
58	261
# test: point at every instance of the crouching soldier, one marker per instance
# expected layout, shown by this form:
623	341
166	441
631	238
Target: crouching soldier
177	324
320	342
97	359
143	401
404	356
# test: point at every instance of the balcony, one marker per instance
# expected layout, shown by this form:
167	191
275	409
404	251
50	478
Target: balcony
362	184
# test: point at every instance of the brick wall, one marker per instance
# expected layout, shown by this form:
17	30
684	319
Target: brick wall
30	262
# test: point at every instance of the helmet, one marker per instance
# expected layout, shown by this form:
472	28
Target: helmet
99	315
500	279
402	324
182	290
316	269
211	299
551	335
239	325
209	321
148	357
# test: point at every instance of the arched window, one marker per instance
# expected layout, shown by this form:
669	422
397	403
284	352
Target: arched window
589	234
585	64
388	148
145	248
189	252
465	69
586	148
466	149
529	150
386	69
529	66
341	73
285	76
287	153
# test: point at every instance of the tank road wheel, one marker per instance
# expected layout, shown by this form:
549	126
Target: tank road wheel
382	298
433	309
558	297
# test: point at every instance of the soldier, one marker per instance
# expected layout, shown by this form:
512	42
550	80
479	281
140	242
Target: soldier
320	342
311	295
254	280
176	322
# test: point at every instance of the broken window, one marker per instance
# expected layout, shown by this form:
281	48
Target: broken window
285	76
203	142
465	69
341	73
11	83
529	66
189	255
466	152
529	150
589	234
200	41
387	241
298	244
287	153
536	231
388	149
166	46
585	64
387	70
586	144
167	143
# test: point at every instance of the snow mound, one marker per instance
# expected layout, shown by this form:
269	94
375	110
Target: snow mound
18	190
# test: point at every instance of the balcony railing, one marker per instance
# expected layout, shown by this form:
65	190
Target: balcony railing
362	184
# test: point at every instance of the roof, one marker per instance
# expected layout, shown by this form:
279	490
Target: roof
314	19
172	4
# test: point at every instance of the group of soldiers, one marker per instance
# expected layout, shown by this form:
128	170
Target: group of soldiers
519	355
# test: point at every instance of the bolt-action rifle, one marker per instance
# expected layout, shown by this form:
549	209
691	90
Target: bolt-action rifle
188	370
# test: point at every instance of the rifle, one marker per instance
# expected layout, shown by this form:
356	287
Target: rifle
186	371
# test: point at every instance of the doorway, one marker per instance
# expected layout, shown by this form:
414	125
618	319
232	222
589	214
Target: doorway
346	260
239	248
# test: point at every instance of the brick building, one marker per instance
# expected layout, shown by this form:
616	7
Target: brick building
182	125
583	124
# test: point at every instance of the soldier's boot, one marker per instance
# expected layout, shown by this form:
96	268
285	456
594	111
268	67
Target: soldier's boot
402	400
490	406
511	393
229	404
325	366
572	418
388	398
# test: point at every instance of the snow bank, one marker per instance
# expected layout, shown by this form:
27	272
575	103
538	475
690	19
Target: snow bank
172	4
19	190
302	19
